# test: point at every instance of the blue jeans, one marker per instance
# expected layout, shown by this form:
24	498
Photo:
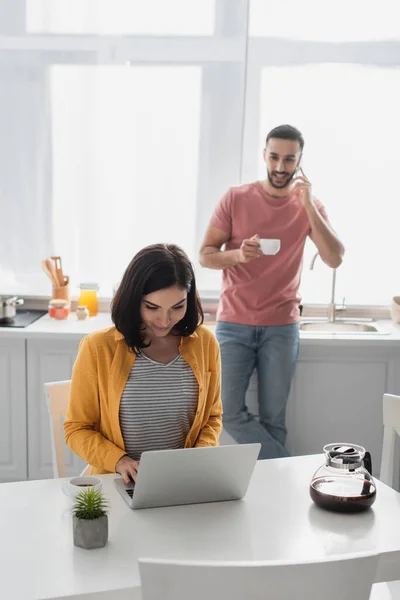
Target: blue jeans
273	352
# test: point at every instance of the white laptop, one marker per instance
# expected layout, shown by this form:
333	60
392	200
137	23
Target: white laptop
191	476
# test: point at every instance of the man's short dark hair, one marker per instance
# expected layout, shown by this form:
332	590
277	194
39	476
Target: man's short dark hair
286	132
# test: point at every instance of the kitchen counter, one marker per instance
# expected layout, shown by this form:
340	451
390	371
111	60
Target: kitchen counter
348	372
72	329
68	329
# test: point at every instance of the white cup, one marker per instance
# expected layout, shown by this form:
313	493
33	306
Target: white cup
270	246
72	487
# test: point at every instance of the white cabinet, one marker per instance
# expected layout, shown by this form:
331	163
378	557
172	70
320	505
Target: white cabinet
336	396
13	451
48	360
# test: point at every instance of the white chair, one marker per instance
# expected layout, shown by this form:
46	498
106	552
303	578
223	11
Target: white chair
391	423
386	591
330	579
57	394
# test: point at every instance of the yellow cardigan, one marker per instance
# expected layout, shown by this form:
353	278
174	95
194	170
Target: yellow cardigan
104	361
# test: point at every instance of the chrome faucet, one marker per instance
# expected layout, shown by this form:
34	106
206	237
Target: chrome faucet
331	306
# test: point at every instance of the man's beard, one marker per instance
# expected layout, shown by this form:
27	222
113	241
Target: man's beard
284	180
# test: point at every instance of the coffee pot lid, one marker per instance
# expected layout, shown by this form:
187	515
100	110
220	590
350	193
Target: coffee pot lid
344	456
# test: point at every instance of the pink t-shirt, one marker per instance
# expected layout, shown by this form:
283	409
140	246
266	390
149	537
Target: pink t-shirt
263	291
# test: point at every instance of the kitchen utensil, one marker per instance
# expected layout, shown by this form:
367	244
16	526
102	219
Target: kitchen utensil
344	483
61	292
58	269
50	270
8	308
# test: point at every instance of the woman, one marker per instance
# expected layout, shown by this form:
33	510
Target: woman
152	381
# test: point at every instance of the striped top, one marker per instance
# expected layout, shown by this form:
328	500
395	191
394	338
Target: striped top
158	405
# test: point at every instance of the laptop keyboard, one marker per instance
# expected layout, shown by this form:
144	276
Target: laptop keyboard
129	492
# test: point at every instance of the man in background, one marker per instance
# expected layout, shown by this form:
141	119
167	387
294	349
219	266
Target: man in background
263	227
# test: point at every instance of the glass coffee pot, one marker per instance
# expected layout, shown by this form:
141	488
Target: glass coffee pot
344	483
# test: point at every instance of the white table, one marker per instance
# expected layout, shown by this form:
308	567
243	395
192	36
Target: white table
276	520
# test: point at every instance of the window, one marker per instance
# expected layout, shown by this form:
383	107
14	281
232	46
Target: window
313	20
344	98
124	122
352	156
117	17
123	128
125	163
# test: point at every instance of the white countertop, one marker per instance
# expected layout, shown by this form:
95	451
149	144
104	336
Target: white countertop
72	329
276	521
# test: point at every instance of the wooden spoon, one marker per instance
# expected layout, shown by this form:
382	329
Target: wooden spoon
59	271
46	270
50	269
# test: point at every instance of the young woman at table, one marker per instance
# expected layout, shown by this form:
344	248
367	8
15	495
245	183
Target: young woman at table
152	381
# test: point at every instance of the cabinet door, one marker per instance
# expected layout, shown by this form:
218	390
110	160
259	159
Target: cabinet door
337	397
48	360
13	461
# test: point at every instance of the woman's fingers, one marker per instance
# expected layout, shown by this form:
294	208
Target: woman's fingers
133	469
125	476
128	469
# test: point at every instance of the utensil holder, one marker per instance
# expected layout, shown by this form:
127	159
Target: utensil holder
61	293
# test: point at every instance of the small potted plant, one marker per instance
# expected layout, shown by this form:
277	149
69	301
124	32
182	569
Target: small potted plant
90	520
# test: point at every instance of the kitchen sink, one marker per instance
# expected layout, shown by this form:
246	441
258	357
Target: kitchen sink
342	327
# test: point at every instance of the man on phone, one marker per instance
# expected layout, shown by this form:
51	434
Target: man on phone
264	226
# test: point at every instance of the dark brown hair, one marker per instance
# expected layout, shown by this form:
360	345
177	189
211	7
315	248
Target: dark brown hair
154	268
286	132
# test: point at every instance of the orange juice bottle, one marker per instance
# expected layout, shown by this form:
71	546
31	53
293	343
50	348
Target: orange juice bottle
88	297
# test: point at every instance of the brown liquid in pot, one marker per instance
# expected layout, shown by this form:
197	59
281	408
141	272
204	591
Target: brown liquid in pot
342	494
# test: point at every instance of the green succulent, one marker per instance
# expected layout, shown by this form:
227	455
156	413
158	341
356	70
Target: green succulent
90	504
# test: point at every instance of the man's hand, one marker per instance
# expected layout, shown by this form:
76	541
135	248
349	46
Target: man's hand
301	186
250	249
128	468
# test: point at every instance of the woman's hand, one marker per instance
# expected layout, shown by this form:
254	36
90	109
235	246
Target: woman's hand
128	468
